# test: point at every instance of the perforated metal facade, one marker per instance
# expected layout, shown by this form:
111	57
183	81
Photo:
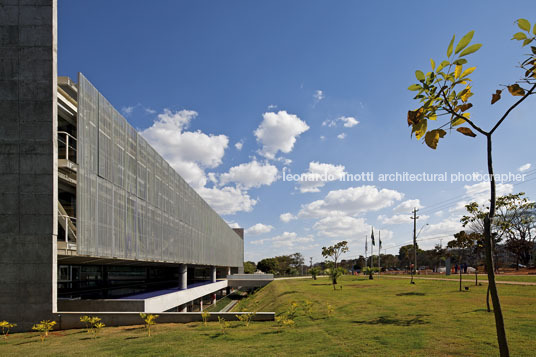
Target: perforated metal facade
132	205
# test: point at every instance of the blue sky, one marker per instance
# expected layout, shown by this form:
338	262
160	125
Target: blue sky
288	81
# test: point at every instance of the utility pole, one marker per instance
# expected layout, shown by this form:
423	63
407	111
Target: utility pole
379	252
414	271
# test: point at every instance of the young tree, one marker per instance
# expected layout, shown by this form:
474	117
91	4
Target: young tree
463	241
334	252
250	267
516	216
445	91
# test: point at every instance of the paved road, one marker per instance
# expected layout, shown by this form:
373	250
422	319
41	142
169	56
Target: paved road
464	280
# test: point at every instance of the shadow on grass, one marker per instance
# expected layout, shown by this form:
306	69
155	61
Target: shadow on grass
359	286
132	338
384	320
288	292
321	284
411	294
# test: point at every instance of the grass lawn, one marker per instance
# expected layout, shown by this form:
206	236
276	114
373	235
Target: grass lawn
499	277
382	317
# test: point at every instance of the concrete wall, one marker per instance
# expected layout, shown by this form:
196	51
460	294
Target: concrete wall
102	305
69	320
28	202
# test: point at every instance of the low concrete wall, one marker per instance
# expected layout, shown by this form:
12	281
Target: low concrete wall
249	280
103	305
71	320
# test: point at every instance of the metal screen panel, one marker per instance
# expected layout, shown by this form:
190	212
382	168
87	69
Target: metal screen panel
131	204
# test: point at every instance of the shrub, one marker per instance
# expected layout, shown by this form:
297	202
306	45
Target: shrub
223	324
93	324
44	327
330	310
246	318
205	315
308	307
293	309
149	320
283	321
6	326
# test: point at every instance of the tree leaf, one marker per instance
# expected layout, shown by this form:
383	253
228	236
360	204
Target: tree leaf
533	48
534	29
464	107
516	90
460	61
527	41
414	87
471	49
496	97
419	75
457	121
432	63
466	93
524	24
442	65
467	72
464	41
466	131
432	137
414	116
451	44
420	128
457	71
519	36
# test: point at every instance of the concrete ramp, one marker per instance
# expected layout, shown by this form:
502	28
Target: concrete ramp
249	280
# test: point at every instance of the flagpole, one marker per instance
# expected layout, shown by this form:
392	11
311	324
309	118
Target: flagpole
379	252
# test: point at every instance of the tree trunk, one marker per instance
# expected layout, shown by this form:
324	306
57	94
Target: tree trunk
487	299
476	277
460	279
488	243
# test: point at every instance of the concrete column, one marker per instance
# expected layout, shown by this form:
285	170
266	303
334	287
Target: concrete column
28	161
201	304
183	277
228	270
213	274
213	298
183	308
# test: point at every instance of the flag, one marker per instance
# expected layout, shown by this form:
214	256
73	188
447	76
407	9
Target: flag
380	239
372	237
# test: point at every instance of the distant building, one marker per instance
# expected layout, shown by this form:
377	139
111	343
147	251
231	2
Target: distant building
89	210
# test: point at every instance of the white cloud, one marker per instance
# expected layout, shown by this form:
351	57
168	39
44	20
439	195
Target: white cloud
251	174
408	206
272	106
398	219
329	123
187	152
259	228
278	132
341	136
447	227
318	95
322	137
525	167
480	193
438	213
287	217
149	111
127	110
318	174
227	200
239	145
287	239
336	226
351	201
348	121
233	225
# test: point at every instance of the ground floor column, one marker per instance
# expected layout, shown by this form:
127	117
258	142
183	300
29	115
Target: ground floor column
214	299
213	274
183	277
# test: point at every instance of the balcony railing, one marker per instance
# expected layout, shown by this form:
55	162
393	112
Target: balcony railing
66	146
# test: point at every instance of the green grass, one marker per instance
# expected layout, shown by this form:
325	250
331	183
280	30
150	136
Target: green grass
521	278
382	317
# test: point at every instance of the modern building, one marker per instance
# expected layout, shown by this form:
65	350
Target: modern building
89	211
